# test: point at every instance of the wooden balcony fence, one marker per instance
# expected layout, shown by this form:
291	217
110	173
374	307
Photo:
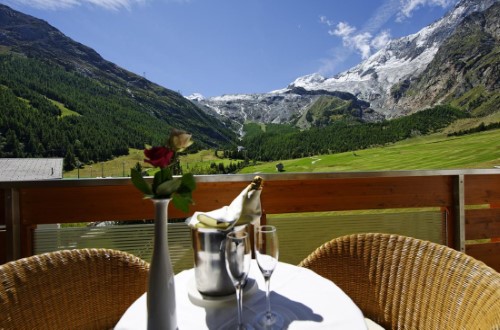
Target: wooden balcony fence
468	199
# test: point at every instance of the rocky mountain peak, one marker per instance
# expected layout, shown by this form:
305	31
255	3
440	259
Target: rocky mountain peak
465	72
308	80
401	60
196	97
378	81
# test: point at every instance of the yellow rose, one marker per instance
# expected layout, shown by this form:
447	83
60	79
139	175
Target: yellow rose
179	140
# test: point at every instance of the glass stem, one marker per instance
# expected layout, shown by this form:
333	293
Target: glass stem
267	279
239	299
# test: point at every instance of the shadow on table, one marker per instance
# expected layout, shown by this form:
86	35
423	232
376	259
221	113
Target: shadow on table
290	310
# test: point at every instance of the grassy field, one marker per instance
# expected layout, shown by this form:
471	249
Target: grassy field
480	150
468	123
64	111
120	166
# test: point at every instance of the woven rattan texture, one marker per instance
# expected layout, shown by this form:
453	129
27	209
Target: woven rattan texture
405	283
70	289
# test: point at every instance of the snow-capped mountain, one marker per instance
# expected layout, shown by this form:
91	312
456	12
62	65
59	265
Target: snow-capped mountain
195	97
464	73
372	82
295	106
402	59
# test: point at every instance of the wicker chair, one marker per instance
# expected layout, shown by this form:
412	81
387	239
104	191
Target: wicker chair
405	283
70	289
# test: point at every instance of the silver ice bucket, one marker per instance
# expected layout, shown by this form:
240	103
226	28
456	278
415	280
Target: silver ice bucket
209	261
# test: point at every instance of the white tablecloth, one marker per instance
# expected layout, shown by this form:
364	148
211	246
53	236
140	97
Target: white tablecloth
308	300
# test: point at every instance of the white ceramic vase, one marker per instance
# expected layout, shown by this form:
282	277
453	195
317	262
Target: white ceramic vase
161	287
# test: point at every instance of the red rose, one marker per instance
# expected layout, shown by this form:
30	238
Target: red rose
159	156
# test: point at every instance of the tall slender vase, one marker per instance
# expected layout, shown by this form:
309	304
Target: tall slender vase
161	287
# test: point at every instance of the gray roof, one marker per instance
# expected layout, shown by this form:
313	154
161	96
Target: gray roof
21	169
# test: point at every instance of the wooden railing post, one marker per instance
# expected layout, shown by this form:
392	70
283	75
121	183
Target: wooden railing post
458	214
3	229
12	224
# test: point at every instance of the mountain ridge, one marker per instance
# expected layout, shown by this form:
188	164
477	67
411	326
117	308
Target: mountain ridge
377	80
466	72
401	59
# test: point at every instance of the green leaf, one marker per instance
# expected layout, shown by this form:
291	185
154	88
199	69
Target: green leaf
189	181
181	202
187	195
167	188
160	177
139	182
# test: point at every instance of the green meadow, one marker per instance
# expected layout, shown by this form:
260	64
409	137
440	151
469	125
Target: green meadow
64	111
479	150
120	166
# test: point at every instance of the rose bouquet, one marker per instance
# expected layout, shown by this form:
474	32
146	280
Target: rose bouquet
164	184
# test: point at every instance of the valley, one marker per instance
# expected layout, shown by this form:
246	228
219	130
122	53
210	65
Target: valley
393	111
432	152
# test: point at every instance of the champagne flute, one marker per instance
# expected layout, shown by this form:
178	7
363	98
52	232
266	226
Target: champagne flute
267	253
238	256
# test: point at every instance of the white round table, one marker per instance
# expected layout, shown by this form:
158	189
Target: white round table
308	300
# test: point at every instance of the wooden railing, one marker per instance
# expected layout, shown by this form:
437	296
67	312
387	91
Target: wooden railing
470	199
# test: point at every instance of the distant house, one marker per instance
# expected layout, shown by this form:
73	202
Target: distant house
23	169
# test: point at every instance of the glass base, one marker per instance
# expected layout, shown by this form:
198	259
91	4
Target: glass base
272	321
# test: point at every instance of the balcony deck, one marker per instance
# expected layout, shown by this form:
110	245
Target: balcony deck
469	201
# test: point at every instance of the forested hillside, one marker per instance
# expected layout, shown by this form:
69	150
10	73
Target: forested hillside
59	98
46	111
282	142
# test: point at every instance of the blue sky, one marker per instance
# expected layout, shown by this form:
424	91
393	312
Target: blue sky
217	47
